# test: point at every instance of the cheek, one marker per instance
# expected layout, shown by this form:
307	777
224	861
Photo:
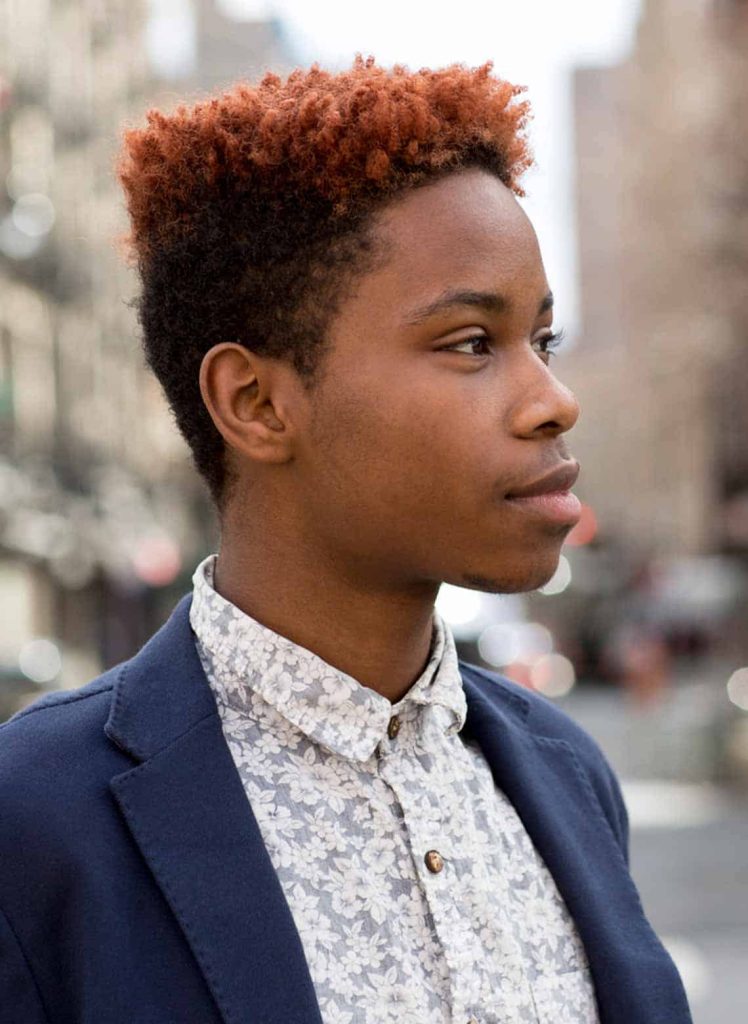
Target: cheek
361	442
408	454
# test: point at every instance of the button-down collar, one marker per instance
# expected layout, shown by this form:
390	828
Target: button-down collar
325	703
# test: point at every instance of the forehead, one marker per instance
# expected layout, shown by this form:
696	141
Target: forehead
465	230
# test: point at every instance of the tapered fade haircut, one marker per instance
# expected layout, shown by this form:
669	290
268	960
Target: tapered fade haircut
251	211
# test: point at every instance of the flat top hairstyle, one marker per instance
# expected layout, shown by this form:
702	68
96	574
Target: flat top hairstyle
251	211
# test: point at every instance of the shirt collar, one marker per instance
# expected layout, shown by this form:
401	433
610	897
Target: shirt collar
243	657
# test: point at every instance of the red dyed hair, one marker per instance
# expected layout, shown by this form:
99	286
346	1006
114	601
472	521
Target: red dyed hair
337	134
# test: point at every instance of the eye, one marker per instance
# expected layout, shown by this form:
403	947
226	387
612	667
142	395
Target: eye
477	339
550	341
547	343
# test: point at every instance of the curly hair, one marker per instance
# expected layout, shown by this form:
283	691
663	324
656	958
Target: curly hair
250	211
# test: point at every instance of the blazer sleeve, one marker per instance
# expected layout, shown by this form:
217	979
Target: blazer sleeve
605	785
621	813
20	1001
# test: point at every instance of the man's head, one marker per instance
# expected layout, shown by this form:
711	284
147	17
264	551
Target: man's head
308	250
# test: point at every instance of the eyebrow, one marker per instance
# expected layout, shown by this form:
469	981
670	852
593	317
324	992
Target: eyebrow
490	302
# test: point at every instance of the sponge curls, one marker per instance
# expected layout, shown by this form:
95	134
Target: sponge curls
244	205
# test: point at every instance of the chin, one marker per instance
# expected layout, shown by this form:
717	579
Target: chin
518	578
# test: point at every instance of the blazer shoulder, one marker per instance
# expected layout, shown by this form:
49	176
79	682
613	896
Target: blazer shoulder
543	718
540	714
58	821
60	709
56	698
55	747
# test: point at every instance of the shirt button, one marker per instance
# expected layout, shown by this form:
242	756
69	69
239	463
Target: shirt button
434	861
394	727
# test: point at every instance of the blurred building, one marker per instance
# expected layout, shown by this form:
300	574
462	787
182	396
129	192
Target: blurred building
660	564
227	49
662	160
102	517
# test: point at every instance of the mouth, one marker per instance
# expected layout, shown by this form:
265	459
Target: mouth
556	506
550	496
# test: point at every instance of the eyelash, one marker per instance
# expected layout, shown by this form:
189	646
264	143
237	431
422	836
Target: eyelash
549	342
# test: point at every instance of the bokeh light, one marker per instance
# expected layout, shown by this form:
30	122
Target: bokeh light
157	560
40	660
507	642
33	214
457	605
553	675
585	530
560	579
737	688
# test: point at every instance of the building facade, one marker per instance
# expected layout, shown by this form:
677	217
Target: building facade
102	516
662	190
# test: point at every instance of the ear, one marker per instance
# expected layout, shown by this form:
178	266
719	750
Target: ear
249	398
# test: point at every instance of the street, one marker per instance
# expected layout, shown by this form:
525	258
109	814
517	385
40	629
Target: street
689	849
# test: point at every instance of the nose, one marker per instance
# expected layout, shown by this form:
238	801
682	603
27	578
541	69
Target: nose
546	405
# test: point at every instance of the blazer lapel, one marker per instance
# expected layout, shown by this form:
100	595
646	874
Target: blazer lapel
187	811
634	976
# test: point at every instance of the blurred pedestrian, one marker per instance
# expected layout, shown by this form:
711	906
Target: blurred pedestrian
645	666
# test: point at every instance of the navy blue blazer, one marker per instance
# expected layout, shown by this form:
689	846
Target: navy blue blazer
135	887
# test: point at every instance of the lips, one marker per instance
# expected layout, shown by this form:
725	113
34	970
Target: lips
562	478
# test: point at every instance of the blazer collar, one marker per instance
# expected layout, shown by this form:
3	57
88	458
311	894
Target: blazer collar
161	693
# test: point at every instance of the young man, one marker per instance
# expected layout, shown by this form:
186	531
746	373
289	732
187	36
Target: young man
295	805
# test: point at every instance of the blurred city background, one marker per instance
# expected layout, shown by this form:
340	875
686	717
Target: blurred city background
640	199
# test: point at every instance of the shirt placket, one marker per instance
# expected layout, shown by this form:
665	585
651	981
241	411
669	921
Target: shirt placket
432	855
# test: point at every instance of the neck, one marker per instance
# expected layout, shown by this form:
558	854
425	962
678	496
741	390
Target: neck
377	632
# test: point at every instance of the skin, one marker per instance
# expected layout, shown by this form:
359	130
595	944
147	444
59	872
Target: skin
358	499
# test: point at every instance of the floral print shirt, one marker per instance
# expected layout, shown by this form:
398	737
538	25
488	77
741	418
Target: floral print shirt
416	891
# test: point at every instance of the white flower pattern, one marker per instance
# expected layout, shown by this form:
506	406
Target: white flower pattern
347	815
